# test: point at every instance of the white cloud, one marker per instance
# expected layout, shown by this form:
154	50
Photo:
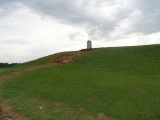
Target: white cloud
28	36
32	29
136	39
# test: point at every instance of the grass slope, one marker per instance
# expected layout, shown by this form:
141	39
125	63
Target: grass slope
122	83
38	62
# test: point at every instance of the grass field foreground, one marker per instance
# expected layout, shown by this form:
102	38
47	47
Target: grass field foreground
121	83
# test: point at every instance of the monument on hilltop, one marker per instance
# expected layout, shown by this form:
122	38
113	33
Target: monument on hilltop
89	44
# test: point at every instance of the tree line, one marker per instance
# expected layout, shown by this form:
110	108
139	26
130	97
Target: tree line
4	65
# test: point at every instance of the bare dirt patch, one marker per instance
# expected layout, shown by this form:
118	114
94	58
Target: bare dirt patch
101	116
6	113
69	56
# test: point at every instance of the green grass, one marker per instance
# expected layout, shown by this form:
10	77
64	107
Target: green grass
122	83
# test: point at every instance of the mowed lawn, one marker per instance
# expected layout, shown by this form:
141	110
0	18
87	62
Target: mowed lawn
121	83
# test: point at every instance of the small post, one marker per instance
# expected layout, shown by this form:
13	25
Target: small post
89	44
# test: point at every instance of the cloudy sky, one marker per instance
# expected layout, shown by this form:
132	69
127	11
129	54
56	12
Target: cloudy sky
30	29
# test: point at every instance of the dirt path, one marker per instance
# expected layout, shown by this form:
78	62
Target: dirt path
11	74
6	112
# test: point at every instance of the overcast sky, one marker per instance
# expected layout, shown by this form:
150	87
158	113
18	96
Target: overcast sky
30	29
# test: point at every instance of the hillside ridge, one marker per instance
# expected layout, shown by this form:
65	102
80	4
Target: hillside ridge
121	83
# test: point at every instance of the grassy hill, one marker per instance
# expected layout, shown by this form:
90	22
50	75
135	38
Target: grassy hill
120	83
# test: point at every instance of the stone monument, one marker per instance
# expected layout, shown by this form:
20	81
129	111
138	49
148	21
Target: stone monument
89	44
